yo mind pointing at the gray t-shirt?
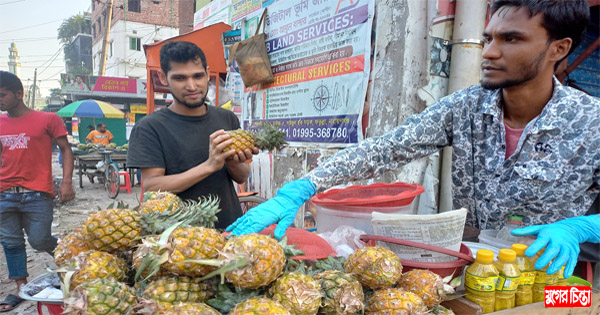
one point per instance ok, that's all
(177, 143)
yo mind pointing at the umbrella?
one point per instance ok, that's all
(90, 108)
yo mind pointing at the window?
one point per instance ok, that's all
(110, 49)
(135, 44)
(134, 6)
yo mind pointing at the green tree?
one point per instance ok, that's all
(73, 26)
(56, 92)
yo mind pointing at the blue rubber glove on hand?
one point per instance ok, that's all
(281, 209)
(562, 240)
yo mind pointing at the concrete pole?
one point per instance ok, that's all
(34, 89)
(465, 68)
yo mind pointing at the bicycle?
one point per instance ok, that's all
(111, 173)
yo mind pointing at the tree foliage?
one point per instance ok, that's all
(72, 26)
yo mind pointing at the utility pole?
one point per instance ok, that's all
(34, 88)
(105, 45)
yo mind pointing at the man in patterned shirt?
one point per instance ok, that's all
(522, 143)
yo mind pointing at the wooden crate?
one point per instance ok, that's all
(462, 306)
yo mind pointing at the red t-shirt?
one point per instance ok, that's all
(27, 150)
(512, 140)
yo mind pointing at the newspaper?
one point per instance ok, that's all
(442, 230)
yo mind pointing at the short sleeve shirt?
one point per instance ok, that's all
(553, 174)
(98, 137)
(177, 143)
(27, 150)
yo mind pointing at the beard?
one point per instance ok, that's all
(526, 73)
(190, 105)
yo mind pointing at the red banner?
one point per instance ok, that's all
(567, 296)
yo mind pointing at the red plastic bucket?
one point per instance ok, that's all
(465, 256)
(379, 195)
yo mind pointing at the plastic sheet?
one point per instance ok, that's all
(344, 240)
(34, 287)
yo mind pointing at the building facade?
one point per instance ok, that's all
(134, 23)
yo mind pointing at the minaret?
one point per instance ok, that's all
(14, 65)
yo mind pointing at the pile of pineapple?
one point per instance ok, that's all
(165, 257)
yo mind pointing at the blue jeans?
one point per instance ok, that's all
(29, 211)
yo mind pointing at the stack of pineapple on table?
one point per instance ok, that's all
(165, 257)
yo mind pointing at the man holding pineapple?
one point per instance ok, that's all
(182, 148)
(522, 143)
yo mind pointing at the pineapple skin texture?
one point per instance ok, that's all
(395, 301)
(193, 243)
(113, 230)
(298, 292)
(159, 202)
(170, 290)
(242, 140)
(190, 308)
(375, 267)
(342, 293)
(266, 260)
(94, 264)
(101, 296)
(423, 283)
(259, 306)
(71, 245)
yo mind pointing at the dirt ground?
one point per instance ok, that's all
(66, 217)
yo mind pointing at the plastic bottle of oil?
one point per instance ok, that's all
(508, 279)
(542, 279)
(561, 276)
(524, 294)
(480, 280)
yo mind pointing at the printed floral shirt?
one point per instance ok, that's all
(553, 174)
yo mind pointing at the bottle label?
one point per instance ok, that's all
(507, 284)
(527, 278)
(481, 284)
(540, 277)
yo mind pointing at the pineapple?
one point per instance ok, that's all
(178, 253)
(342, 293)
(100, 296)
(262, 306)
(375, 267)
(113, 230)
(298, 292)
(395, 301)
(440, 310)
(160, 202)
(90, 265)
(268, 137)
(427, 285)
(170, 290)
(161, 210)
(149, 249)
(258, 258)
(70, 245)
(190, 308)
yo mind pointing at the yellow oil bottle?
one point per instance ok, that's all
(508, 279)
(542, 279)
(480, 280)
(561, 277)
(524, 294)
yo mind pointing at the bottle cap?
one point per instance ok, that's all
(485, 256)
(507, 255)
(519, 249)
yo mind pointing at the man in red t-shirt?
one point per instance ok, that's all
(26, 187)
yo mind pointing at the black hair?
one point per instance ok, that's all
(10, 82)
(560, 18)
(101, 124)
(182, 52)
(90, 127)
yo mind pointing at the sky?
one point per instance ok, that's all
(33, 26)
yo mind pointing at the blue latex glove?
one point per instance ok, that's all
(281, 209)
(562, 239)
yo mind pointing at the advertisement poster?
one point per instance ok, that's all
(104, 86)
(319, 53)
(212, 13)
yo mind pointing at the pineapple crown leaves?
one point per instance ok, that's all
(329, 263)
(228, 297)
(119, 205)
(448, 286)
(268, 137)
(151, 261)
